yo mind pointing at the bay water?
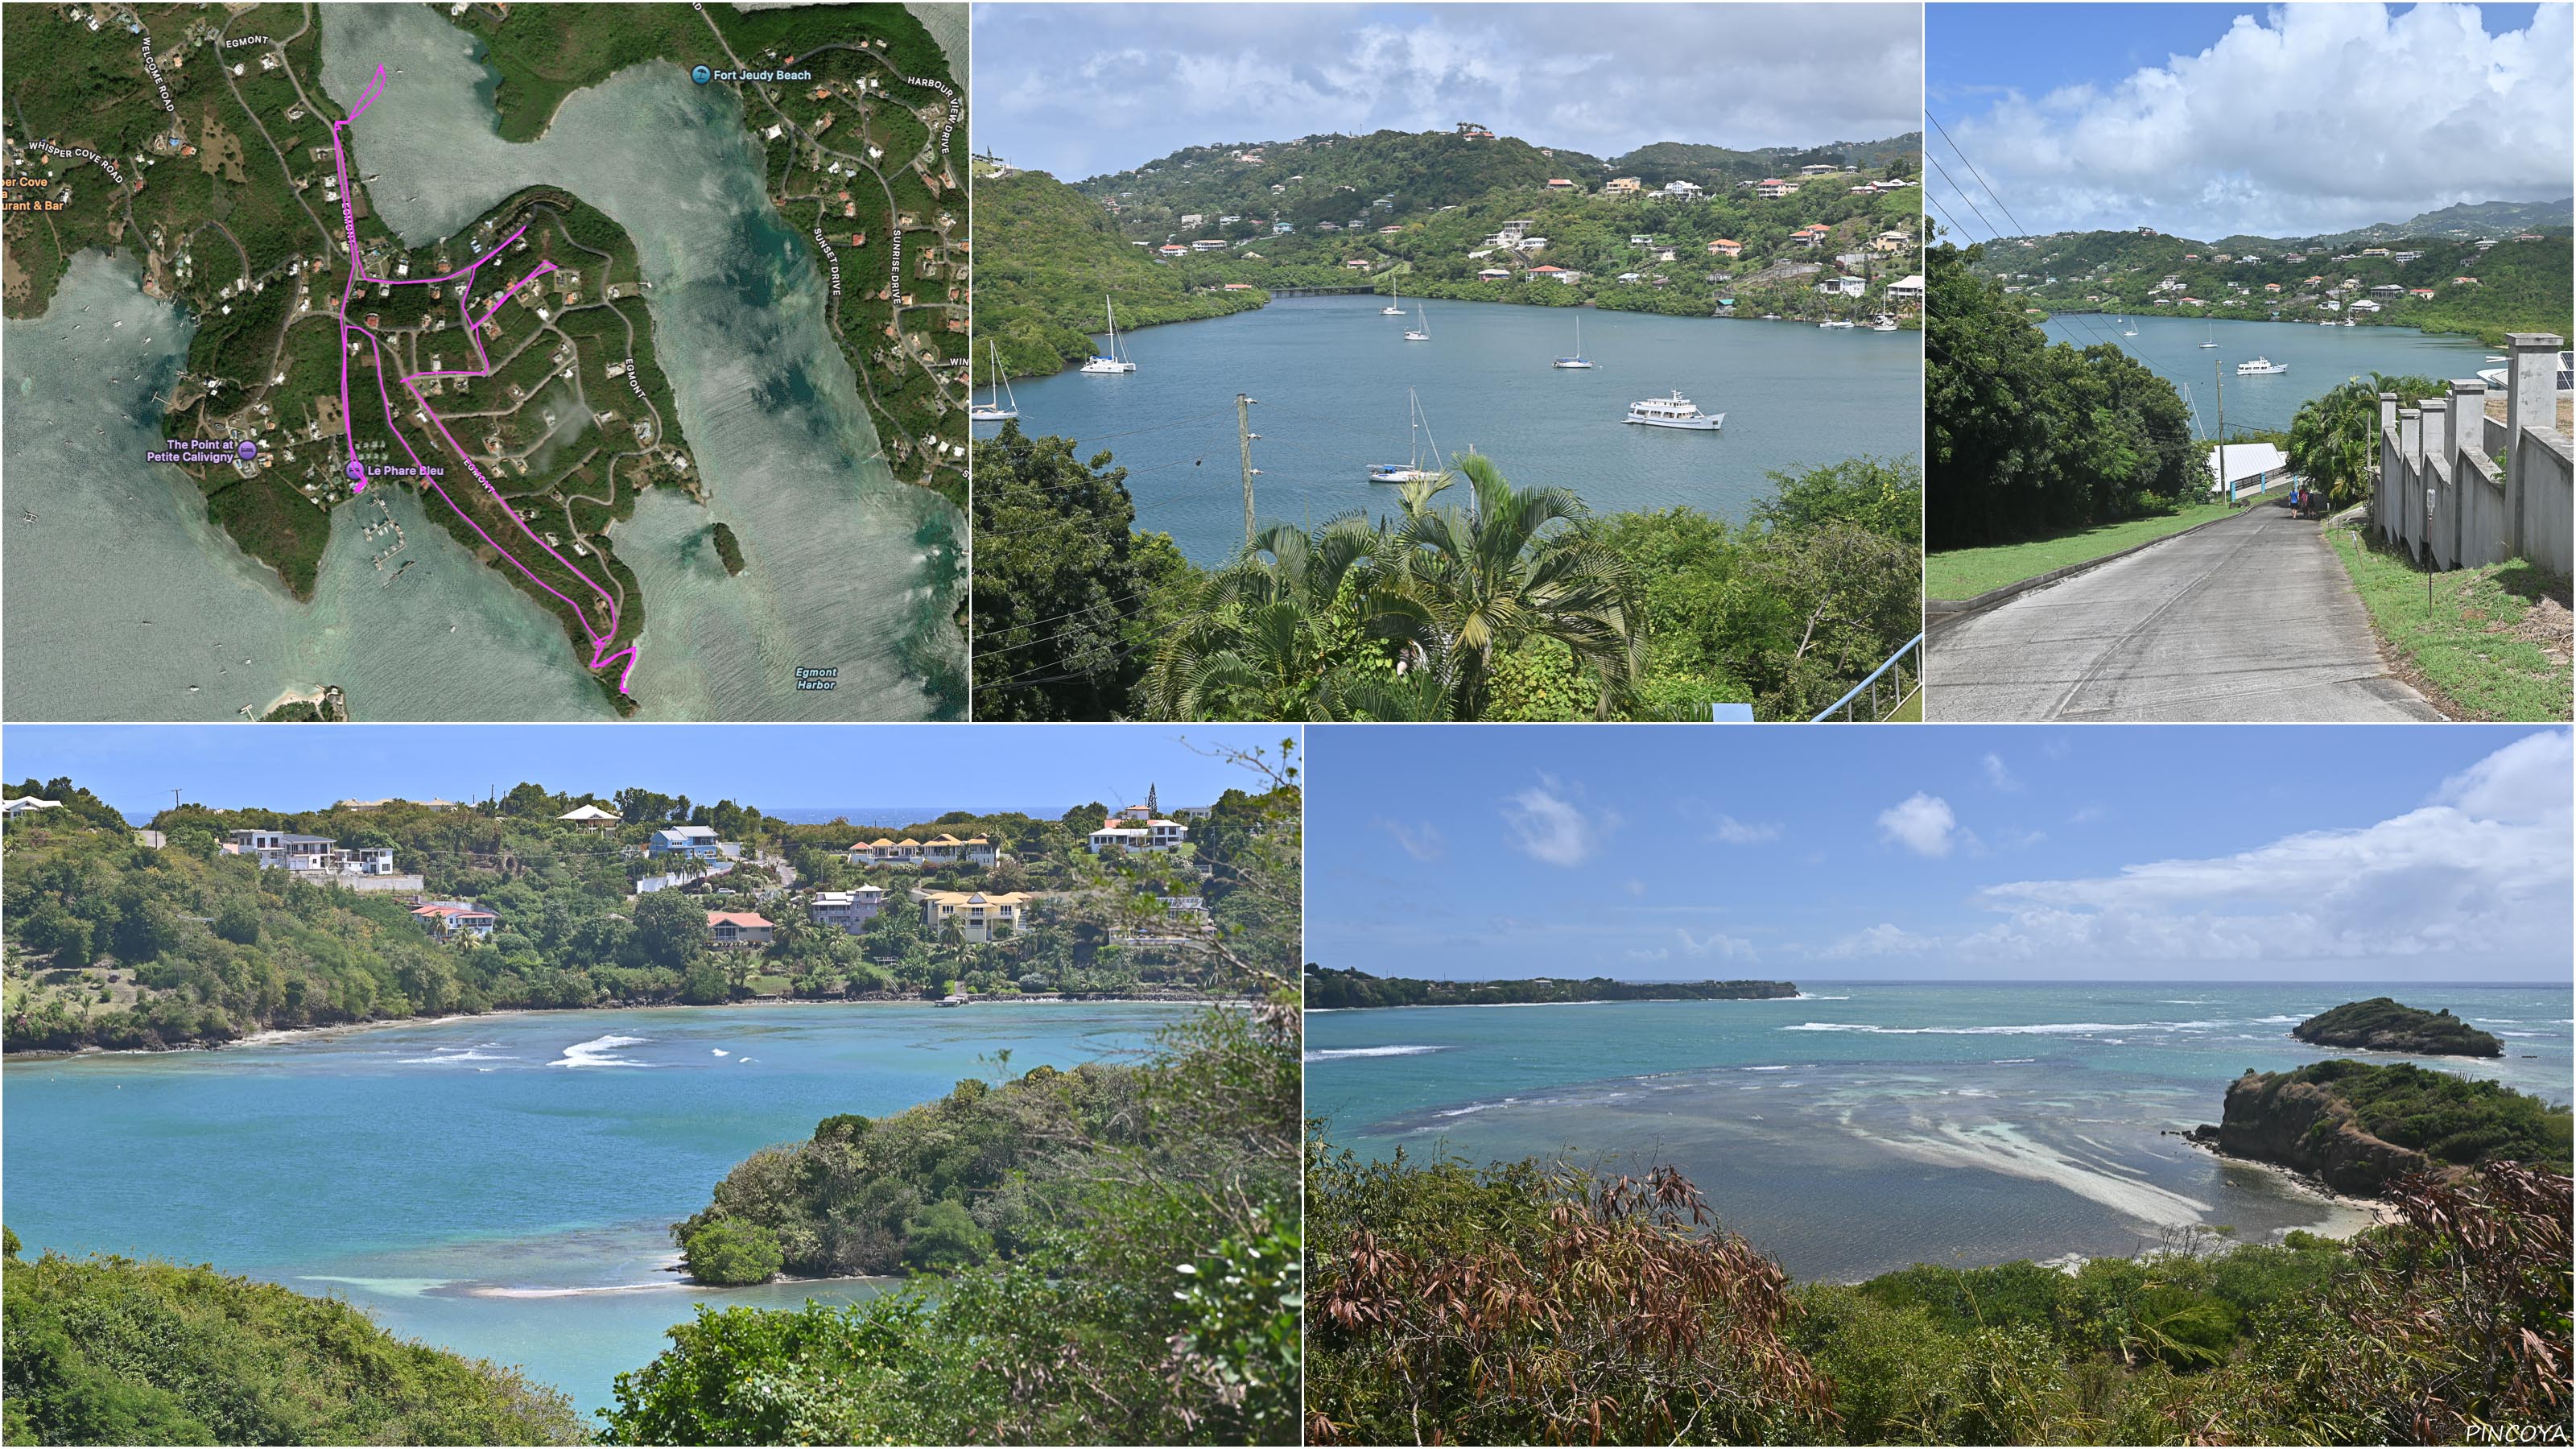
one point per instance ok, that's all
(2321, 359)
(1330, 375)
(500, 1185)
(1864, 1127)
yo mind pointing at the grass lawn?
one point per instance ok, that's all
(1964, 573)
(2475, 645)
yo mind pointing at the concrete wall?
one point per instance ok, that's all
(2457, 489)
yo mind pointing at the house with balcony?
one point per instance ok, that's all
(697, 842)
(448, 921)
(285, 850)
(1726, 247)
(590, 817)
(1772, 188)
(1909, 289)
(851, 910)
(1622, 186)
(976, 916)
(739, 930)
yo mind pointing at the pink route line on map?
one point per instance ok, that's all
(601, 656)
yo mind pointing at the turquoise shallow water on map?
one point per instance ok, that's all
(1330, 374)
(497, 1185)
(1867, 1126)
(2321, 359)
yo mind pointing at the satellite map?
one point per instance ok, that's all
(484, 362)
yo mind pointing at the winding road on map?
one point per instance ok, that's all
(601, 656)
(2249, 619)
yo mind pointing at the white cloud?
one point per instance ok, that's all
(1085, 89)
(1547, 825)
(2085, 815)
(1715, 943)
(1921, 823)
(2478, 879)
(2304, 120)
(1999, 774)
(1731, 831)
(1422, 842)
(1883, 939)
(1659, 953)
(1637, 889)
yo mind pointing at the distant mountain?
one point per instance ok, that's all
(2467, 221)
(1710, 166)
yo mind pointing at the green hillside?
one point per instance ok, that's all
(2517, 283)
(1330, 178)
(1046, 257)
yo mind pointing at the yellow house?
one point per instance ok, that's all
(975, 914)
(1623, 186)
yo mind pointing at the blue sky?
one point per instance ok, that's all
(1081, 90)
(2096, 852)
(2208, 120)
(287, 767)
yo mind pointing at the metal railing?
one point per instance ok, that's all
(1888, 686)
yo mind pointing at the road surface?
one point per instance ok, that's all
(2250, 620)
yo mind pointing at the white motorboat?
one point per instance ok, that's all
(1003, 407)
(1421, 329)
(1578, 359)
(1411, 470)
(2260, 367)
(1674, 411)
(1111, 361)
(1837, 324)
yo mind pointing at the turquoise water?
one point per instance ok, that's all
(498, 1185)
(2321, 359)
(1867, 1126)
(1330, 375)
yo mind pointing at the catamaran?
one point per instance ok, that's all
(1578, 359)
(2260, 367)
(1003, 407)
(1110, 361)
(1411, 470)
(1674, 411)
(1421, 329)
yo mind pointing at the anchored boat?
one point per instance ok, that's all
(1411, 470)
(1111, 361)
(998, 410)
(1674, 411)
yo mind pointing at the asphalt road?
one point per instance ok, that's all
(2249, 620)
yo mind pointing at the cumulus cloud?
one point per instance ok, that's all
(1084, 89)
(2478, 877)
(1547, 825)
(1715, 943)
(1883, 939)
(1921, 823)
(2306, 119)
(1422, 842)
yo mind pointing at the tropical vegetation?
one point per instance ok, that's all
(1328, 988)
(2384, 1024)
(1474, 599)
(113, 1350)
(1525, 1303)
(2028, 439)
(2334, 439)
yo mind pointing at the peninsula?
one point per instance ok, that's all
(1331, 990)
(2359, 1126)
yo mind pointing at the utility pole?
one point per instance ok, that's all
(1244, 435)
(174, 799)
(2218, 379)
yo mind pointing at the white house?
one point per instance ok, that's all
(850, 910)
(591, 816)
(1135, 831)
(1909, 289)
(27, 805)
(1843, 286)
(451, 920)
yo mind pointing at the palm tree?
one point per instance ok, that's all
(1257, 645)
(1469, 585)
(2334, 441)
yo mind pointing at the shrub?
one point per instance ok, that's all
(728, 1253)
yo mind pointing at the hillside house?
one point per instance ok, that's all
(696, 842)
(976, 916)
(1623, 186)
(1772, 188)
(1726, 247)
(739, 930)
(851, 910)
(456, 921)
(590, 817)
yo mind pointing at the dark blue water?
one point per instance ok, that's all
(1871, 1125)
(2321, 359)
(1330, 375)
(497, 1185)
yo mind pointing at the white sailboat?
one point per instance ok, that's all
(1578, 359)
(2213, 335)
(1886, 323)
(1394, 303)
(1003, 407)
(1421, 329)
(1111, 361)
(2131, 328)
(1411, 470)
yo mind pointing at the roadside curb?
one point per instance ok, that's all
(1941, 614)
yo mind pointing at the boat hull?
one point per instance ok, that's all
(1705, 424)
(1099, 367)
(992, 415)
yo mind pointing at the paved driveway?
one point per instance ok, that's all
(2252, 619)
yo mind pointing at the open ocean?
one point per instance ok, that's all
(1863, 1127)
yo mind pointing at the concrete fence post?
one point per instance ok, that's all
(2531, 401)
(2435, 451)
(2468, 435)
(2410, 479)
(2383, 504)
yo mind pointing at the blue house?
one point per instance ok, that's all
(698, 842)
